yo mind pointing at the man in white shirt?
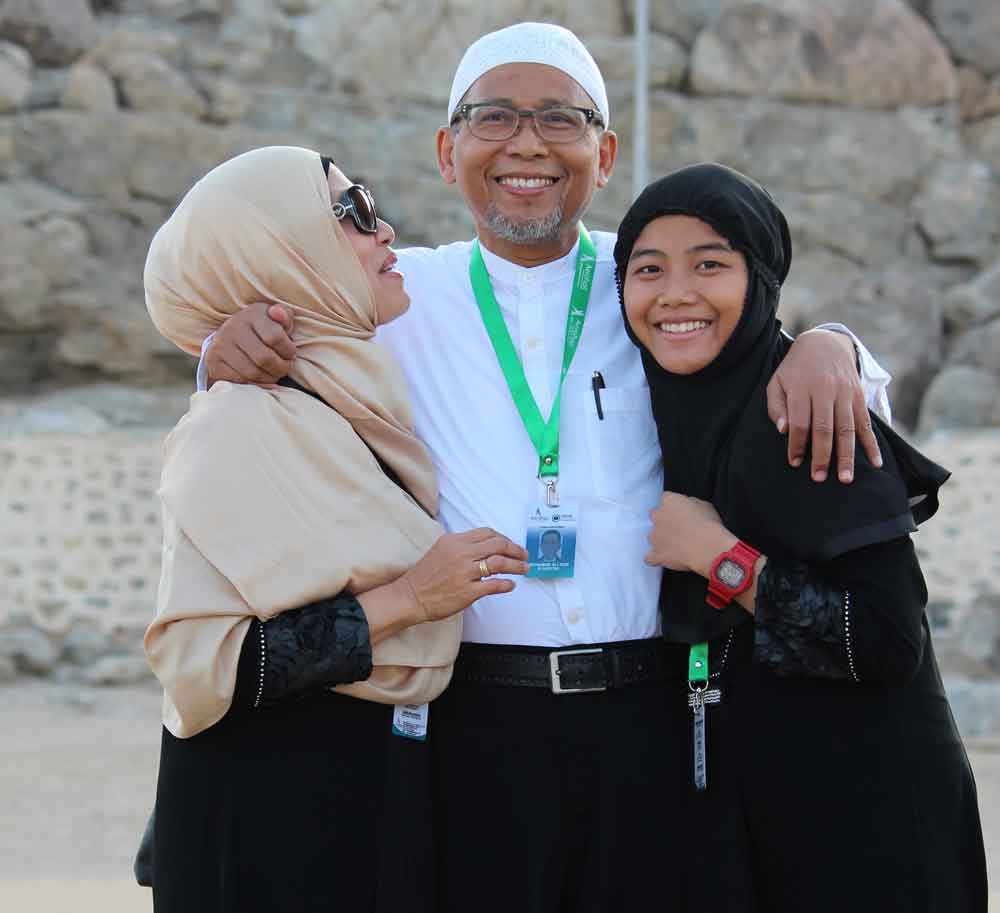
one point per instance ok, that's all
(555, 766)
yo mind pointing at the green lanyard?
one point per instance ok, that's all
(698, 663)
(544, 435)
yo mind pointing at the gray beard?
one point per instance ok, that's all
(527, 231)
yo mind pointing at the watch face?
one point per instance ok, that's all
(730, 573)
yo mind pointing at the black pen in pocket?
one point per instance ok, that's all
(597, 385)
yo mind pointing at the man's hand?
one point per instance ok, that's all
(817, 386)
(254, 346)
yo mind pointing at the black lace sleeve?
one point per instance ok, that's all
(856, 618)
(322, 644)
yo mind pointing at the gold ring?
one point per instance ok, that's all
(484, 569)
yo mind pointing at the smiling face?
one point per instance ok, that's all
(684, 292)
(377, 258)
(526, 196)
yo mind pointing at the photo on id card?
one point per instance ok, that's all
(551, 540)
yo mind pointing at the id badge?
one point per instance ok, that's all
(551, 540)
(410, 721)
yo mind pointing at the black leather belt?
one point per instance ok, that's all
(573, 670)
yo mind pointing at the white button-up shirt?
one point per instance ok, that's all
(487, 466)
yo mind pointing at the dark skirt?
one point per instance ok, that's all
(312, 805)
(827, 796)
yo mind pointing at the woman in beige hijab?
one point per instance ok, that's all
(309, 603)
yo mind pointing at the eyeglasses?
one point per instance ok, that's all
(496, 123)
(357, 202)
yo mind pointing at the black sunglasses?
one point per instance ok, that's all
(357, 202)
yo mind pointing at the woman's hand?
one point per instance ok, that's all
(687, 534)
(450, 577)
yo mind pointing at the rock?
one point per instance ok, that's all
(24, 286)
(227, 102)
(156, 42)
(971, 28)
(979, 347)
(417, 61)
(84, 644)
(977, 97)
(983, 138)
(681, 19)
(958, 211)
(8, 669)
(588, 20)
(975, 705)
(181, 10)
(173, 152)
(25, 358)
(866, 232)
(869, 53)
(118, 670)
(28, 201)
(89, 88)
(960, 397)
(818, 280)
(58, 147)
(148, 83)
(668, 59)
(973, 302)
(46, 89)
(108, 333)
(56, 32)
(15, 76)
(30, 650)
(793, 146)
(980, 638)
(899, 319)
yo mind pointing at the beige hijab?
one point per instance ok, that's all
(271, 499)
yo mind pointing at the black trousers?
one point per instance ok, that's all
(549, 803)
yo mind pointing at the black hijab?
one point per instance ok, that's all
(717, 439)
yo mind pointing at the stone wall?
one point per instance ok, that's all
(876, 123)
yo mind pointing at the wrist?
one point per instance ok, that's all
(721, 540)
(390, 608)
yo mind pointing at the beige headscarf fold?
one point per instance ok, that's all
(272, 500)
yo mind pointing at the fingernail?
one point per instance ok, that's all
(878, 461)
(819, 475)
(845, 475)
(782, 424)
(796, 461)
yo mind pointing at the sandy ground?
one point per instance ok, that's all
(77, 775)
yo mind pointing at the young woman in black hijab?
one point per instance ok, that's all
(831, 776)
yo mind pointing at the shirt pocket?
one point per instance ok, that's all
(624, 450)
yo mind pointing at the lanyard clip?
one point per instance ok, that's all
(551, 495)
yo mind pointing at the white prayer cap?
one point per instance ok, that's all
(531, 42)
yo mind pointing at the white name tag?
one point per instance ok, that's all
(410, 721)
(551, 539)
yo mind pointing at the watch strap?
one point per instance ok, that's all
(719, 594)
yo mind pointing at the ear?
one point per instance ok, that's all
(607, 154)
(446, 154)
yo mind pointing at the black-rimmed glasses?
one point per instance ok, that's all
(556, 124)
(358, 203)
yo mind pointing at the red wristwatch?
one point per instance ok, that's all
(731, 574)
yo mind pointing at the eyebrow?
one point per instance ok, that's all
(697, 248)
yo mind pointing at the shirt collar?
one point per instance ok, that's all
(501, 270)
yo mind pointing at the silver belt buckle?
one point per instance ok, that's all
(557, 687)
